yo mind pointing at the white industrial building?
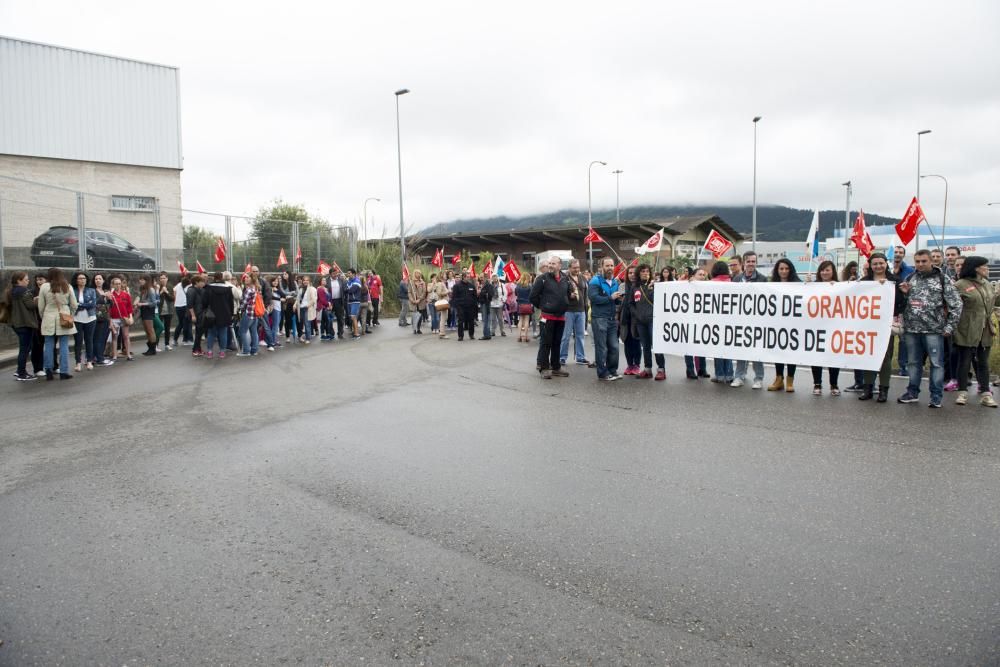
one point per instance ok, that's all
(102, 133)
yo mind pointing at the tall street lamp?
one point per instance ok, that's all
(618, 209)
(590, 210)
(753, 231)
(847, 217)
(916, 236)
(944, 217)
(399, 162)
(364, 208)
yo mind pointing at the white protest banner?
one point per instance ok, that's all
(839, 325)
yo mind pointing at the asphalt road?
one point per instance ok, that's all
(405, 500)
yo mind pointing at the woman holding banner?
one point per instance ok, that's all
(826, 273)
(723, 367)
(633, 349)
(642, 297)
(784, 272)
(695, 366)
(878, 269)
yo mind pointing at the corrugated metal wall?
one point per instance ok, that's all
(61, 103)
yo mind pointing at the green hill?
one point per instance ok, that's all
(774, 223)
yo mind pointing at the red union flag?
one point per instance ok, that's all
(248, 268)
(298, 254)
(456, 258)
(182, 268)
(282, 260)
(511, 271)
(220, 250)
(717, 244)
(438, 260)
(619, 270)
(593, 237)
(488, 269)
(653, 244)
(907, 227)
(472, 271)
(323, 268)
(201, 269)
(860, 237)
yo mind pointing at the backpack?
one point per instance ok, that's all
(258, 305)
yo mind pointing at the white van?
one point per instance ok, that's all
(563, 255)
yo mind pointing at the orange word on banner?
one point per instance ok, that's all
(859, 343)
(865, 307)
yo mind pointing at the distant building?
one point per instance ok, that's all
(104, 126)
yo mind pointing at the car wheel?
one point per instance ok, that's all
(147, 266)
(91, 262)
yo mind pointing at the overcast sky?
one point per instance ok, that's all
(510, 103)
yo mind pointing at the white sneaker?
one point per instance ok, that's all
(756, 384)
(738, 382)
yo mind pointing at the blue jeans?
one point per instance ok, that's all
(605, 345)
(24, 337)
(220, 334)
(741, 370)
(918, 346)
(305, 324)
(49, 359)
(435, 319)
(101, 339)
(576, 324)
(269, 332)
(484, 309)
(696, 365)
(903, 356)
(84, 339)
(724, 369)
(248, 334)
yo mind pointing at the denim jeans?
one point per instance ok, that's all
(633, 350)
(404, 310)
(605, 345)
(248, 334)
(484, 311)
(265, 323)
(903, 356)
(183, 325)
(917, 347)
(49, 360)
(305, 324)
(435, 319)
(220, 334)
(24, 336)
(101, 339)
(576, 324)
(84, 339)
(741, 370)
(724, 369)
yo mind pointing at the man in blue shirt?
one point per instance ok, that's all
(605, 294)
(901, 270)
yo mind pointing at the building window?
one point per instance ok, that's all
(132, 203)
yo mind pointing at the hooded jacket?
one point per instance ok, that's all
(976, 325)
(933, 305)
(601, 293)
(550, 294)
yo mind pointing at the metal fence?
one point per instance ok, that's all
(43, 225)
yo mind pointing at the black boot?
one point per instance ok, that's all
(150, 350)
(883, 394)
(866, 393)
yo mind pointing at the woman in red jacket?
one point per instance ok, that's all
(120, 311)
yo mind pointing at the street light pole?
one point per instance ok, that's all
(916, 236)
(753, 231)
(590, 211)
(944, 217)
(364, 208)
(399, 162)
(618, 207)
(847, 217)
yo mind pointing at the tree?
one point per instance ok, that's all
(271, 230)
(198, 243)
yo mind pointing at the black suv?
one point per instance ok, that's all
(59, 246)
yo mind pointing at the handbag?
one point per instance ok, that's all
(208, 317)
(441, 305)
(65, 319)
(525, 309)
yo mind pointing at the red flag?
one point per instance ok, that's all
(282, 260)
(336, 266)
(220, 250)
(488, 269)
(406, 272)
(472, 270)
(323, 268)
(201, 269)
(907, 227)
(619, 271)
(717, 244)
(298, 254)
(248, 269)
(511, 271)
(182, 268)
(457, 258)
(860, 237)
(438, 260)
(593, 237)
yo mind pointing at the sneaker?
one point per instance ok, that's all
(222, 355)
(208, 355)
(606, 378)
(736, 383)
(661, 375)
(583, 362)
(645, 374)
(757, 384)
(854, 388)
(614, 376)
(242, 354)
(934, 404)
(169, 348)
(270, 348)
(962, 398)
(196, 354)
(24, 377)
(188, 343)
(900, 373)
(986, 400)
(631, 370)
(562, 362)
(951, 385)
(907, 398)
(560, 374)
(107, 362)
(546, 374)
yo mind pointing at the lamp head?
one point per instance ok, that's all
(402, 91)
(923, 132)
(756, 118)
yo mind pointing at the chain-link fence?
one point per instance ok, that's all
(43, 225)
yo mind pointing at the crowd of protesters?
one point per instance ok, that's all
(944, 318)
(211, 313)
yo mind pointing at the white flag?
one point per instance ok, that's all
(812, 241)
(653, 244)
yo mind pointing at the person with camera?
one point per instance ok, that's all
(605, 293)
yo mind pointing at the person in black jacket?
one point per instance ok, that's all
(551, 294)
(466, 301)
(218, 315)
(487, 292)
(196, 306)
(336, 287)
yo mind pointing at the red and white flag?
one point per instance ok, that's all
(717, 244)
(488, 269)
(336, 266)
(619, 271)
(860, 237)
(201, 269)
(182, 268)
(653, 244)
(907, 227)
(282, 260)
(593, 237)
(456, 258)
(511, 271)
(248, 269)
(438, 260)
(472, 270)
(323, 268)
(406, 272)
(298, 254)
(220, 251)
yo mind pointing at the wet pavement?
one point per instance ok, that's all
(406, 500)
